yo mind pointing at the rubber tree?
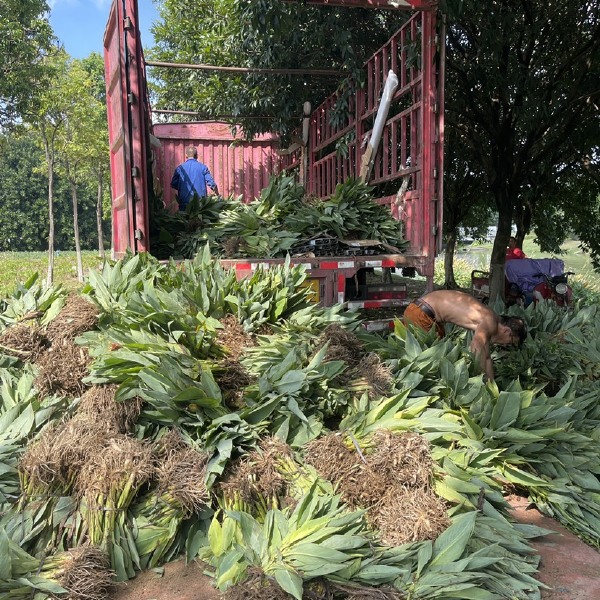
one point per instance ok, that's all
(526, 83)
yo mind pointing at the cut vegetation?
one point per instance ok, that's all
(172, 410)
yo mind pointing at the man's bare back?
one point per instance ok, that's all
(450, 306)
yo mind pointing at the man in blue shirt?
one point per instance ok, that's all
(192, 177)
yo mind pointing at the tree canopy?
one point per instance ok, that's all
(25, 38)
(523, 81)
(267, 35)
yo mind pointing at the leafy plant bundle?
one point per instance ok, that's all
(157, 344)
(282, 216)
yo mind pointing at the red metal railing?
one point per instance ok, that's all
(411, 143)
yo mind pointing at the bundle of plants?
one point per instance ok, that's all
(281, 217)
(107, 484)
(549, 450)
(349, 214)
(77, 316)
(561, 344)
(24, 340)
(263, 479)
(78, 574)
(180, 492)
(52, 462)
(294, 395)
(317, 538)
(31, 300)
(98, 404)
(48, 471)
(365, 371)
(62, 369)
(24, 415)
(231, 376)
(390, 476)
(256, 587)
(258, 228)
(255, 234)
(173, 234)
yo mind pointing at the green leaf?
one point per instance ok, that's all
(289, 582)
(451, 544)
(5, 557)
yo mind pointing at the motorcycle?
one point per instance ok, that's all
(555, 288)
(523, 285)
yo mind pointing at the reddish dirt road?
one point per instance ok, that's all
(568, 566)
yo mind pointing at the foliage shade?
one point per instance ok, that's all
(262, 35)
(25, 38)
(24, 198)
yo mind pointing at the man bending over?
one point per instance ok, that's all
(449, 306)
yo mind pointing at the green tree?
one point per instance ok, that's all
(82, 140)
(97, 137)
(47, 117)
(465, 195)
(525, 78)
(23, 194)
(25, 40)
(258, 34)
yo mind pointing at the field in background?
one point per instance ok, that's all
(17, 267)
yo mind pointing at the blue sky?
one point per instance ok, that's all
(79, 24)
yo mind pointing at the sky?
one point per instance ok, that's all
(80, 24)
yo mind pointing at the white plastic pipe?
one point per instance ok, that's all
(382, 112)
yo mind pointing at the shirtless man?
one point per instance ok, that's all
(448, 306)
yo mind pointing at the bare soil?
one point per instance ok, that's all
(176, 581)
(568, 566)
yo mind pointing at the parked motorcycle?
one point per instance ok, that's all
(555, 288)
(523, 285)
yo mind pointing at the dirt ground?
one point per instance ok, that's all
(177, 581)
(568, 566)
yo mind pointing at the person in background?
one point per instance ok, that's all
(513, 251)
(450, 306)
(192, 177)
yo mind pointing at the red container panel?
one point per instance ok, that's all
(238, 167)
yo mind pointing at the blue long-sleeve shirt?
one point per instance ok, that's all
(191, 177)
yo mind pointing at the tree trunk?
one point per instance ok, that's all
(449, 279)
(50, 162)
(99, 215)
(499, 254)
(76, 231)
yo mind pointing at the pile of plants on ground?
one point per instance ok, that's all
(282, 221)
(170, 410)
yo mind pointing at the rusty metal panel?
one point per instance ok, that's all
(122, 227)
(137, 98)
(239, 167)
(127, 128)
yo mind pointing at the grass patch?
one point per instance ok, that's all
(17, 267)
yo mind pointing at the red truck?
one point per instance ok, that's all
(143, 156)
